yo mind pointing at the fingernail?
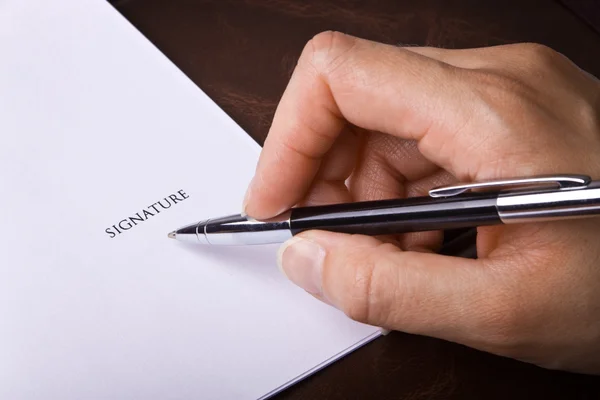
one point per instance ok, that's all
(301, 261)
(247, 198)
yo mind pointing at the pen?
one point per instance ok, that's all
(509, 201)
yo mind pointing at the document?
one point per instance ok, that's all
(106, 147)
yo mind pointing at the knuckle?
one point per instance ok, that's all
(356, 302)
(539, 53)
(367, 297)
(327, 50)
(538, 61)
(324, 41)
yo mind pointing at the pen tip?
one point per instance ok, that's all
(172, 235)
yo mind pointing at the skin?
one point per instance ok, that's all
(361, 120)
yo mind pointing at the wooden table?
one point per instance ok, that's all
(241, 53)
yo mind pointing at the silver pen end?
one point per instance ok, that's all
(172, 235)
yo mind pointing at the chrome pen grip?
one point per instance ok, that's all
(549, 205)
(242, 230)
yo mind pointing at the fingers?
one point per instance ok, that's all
(305, 126)
(374, 86)
(392, 168)
(386, 166)
(375, 283)
(329, 185)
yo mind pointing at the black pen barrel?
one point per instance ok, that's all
(399, 215)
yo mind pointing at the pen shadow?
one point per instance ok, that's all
(259, 259)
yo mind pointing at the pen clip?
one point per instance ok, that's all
(566, 182)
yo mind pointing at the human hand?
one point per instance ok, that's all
(362, 121)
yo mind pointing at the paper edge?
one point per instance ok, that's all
(182, 75)
(324, 364)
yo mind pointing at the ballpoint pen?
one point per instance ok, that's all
(509, 201)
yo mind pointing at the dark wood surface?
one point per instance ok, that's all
(587, 10)
(241, 53)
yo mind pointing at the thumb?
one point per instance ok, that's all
(378, 284)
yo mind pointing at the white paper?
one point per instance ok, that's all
(95, 126)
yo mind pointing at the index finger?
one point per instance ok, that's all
(341, 79)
